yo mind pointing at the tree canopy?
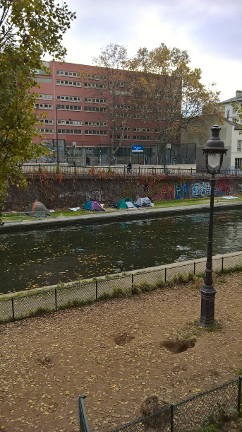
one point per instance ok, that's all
(29, 29)
(163, 90)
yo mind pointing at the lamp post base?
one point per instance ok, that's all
(207, 305)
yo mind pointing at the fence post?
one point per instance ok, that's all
(13, 309)
(165, 274)
(194, 268)
(132, 280)
(96, 291)
(239, 394)
(222, 265)
(56, 305)
(172, 415)
(82, 415)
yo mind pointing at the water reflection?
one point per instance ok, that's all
(48, 257)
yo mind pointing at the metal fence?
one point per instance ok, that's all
(187, 416)
(140, 170)
(191, 414)
(42, 300)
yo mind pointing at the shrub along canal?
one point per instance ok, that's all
(46, 257)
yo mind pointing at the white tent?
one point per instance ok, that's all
(144, 202)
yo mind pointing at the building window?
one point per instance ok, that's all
(95, 100)
(46, 121)
(70, 131)
(70, 107)
(95, 109)
(67, 73)
(43, 106)
(70, 122)
(239, 145)
(95, 123)
(118, 137)
(142, 130)
(46, 130)
(142, 137)
(93, 85)
(238, 163)
(45, 96)
(95, 132)
(69, 98)
(93, 76)
(68, 83)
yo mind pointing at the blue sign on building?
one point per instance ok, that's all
(137, 148)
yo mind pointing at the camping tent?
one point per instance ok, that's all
(144, 202)
(92, 206)
(125, 203)
(39, 209)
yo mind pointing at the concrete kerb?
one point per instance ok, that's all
(119, 215)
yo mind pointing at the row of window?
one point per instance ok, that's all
(73, 131)
(94, 85)
(70, 122)
(99, 123)
(70, 107)
(75, 74)
(67, 73)
(93, 132)
(95, 109)
(69, 98)
(95, 100)
(68, 83)
(78, 99)
(60, 107)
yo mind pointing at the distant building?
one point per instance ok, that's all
(231, 130)
(231, 134)
(71, 107)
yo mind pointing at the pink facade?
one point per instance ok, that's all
(71, 108)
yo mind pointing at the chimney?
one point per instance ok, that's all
(238, 93)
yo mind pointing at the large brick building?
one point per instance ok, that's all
(72, 107)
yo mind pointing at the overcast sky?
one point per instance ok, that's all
(209, 30)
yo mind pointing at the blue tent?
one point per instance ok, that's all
(92, 206)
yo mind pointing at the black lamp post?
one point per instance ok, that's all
(214, 152)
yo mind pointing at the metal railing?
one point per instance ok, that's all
(193, 413)
(42, 300)
(189, 415)
(117, 170)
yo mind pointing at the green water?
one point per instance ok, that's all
(38, 258)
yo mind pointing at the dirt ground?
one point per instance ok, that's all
(112, 352)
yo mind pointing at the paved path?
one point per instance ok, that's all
(116, 215)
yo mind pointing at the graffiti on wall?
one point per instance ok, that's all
(182, 191)
(200, 189)
(223, 187)
(166, 192)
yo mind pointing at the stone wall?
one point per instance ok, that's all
(70, 191)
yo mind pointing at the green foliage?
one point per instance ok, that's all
(28, 31)
(162, 88)
(166, 75)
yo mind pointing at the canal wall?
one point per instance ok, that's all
(34, 302)
(64, 191)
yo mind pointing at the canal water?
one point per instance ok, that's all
(38, 258)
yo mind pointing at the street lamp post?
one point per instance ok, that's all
(168, 146)
(214, 152)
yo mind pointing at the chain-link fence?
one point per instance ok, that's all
(191, 414)
(38, 301)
